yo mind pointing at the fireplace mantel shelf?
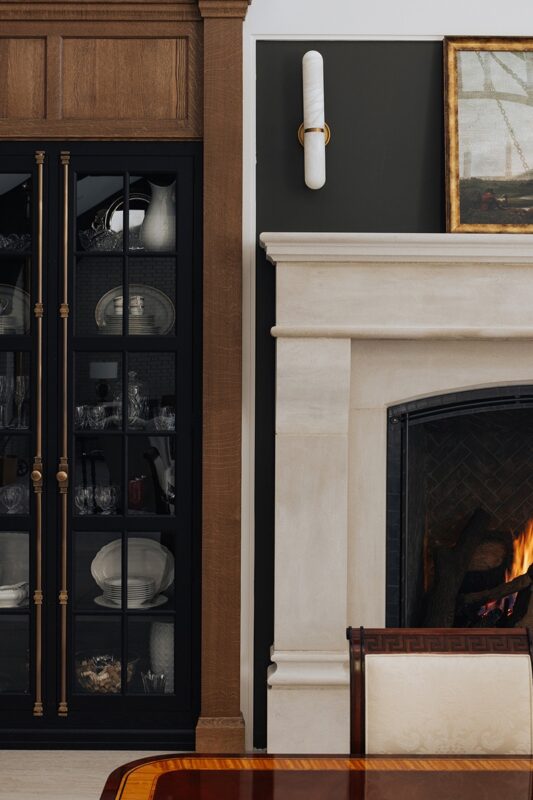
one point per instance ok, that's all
(489, 248)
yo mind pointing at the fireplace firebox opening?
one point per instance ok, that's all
(460, 510)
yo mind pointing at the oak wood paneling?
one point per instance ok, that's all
(220, 727)
(23, 84)
(120, 78)
(116, 80)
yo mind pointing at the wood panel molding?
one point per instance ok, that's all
(92, 10)
(101, 80)
(224, 8)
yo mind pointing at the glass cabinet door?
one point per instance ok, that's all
(130, 412)
(18, 251)
(99, 482)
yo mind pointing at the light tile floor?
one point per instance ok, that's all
(59, 774)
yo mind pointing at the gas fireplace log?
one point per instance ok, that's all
(451, 565)
(498, 592)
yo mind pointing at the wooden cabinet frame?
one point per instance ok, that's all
(41, 99)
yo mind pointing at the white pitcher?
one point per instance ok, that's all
(158, 231)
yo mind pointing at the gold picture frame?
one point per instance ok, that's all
(489, 134)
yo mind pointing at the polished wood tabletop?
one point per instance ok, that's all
(196, 777)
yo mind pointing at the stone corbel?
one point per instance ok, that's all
(300, 669)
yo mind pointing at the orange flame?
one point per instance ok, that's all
(522, 553)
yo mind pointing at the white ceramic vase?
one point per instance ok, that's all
(162, 652)
(158, 231)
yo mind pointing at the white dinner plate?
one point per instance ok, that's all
(160, 600)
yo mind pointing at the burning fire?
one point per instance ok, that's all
(522, 553)
(522, 559)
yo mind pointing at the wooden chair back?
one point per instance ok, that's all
(472, 641)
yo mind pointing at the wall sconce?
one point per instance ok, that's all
(314, 134)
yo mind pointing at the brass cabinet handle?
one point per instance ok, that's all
(37, 473)
(62, 474)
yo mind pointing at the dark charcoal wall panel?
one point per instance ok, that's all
(385, 172)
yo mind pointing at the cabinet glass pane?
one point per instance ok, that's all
(152, 206)
(98, 470)
(97, 659)
(14, 295)
(97, 571)
(98, 284)
(151, 645)
(152, 289)
(15, 212)
(99, 209)
(14, 569)
(14, 390)
(150, 561)
(151, 474)
(98, 391)
(151, 391)
(14, 654)
(14, 475)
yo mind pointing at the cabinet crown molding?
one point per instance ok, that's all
(224, 8)
(96, 10)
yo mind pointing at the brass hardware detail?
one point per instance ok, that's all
(62, 477)
(37, 473)
(325, 130)
(62, 473)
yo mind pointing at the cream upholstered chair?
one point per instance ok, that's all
(441, 691)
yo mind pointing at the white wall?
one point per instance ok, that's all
(381, 18)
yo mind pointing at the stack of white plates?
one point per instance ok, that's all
(140, 590)
(150, 564)
(143, 325)
(10, 324)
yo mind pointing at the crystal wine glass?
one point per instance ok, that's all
(97, 417)
(22, 383)
(12, 497)
(106, 499)
(82, 500)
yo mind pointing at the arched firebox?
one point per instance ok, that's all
(460, 509)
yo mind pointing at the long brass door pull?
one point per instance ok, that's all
(62, 473)
(37, 473)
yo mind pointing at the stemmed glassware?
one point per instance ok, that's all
(6, 393)
(14, 498)
(83, 500)
(106, 499)
(97, 417)
(22, 384)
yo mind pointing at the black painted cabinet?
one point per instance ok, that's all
(100, 306)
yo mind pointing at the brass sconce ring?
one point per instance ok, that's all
(325, 130)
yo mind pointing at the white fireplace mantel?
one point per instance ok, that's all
(363, 322)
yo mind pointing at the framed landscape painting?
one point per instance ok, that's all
(489, 135)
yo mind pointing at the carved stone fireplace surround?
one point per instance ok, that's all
(363, 322)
